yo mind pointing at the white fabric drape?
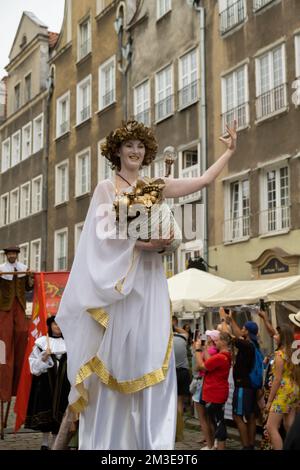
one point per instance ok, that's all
(131, 398)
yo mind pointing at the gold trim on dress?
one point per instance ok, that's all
(100, 315)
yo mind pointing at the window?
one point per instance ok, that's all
(235, 98)
(163, 6)
(168, 262)
(271, 83)
(38, 133)
(62, 182)
(237, 211)
(25, 200)
(61, 250)
(14, 205)
(84, 99)
(63, 114)
(232, 13)
(4, 209)
(78, 231)
(5, 160)
(189, 167)
(188, 79)
(36, 192)
(190, 250)
(84, 39)
(24, 253)
(275, 213)
(82, 184)
(297, 53)
(17, 96)
(26, 141)
(2, 257)
(145, 171)
(35, 255)
(142, 103)
(104, 168)
(16, 148)
(258, 4)
(107, 81)
(164, 103)
(28, 87)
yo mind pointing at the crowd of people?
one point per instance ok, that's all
(266, 391)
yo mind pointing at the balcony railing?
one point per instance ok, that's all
(258, 4)
(85, 113)
(275, 219)
(84, 48)
(144, 117)
(188, 94)
(240, 114)
(237, 228)
(62, 263)
(232, 16)
(272, 101)
(164, 108)
(108, 98)
(64, 127)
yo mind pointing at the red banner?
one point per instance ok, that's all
(48, 290)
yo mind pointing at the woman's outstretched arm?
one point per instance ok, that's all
(178, 187)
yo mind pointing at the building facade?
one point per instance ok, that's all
(253, 62)
(23, 146)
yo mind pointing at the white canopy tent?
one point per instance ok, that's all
(249, 292)
(190, 289)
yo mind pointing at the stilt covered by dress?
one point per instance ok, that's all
(116, 321)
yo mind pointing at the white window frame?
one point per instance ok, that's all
(12, 216)
(57, 233)
(260, 4)
(263, 223)
(33, 265)
(6, 155)
(16, 150)
(186, 84)
(26, 98)
(77, 227)
(84, 48)
(104, 169)
(24, 259)
(23, 212)
(162, 100)
(62, 127)
(38, 137)
(4, 221)
(78, 190)
(142, 104)
(239, 112)
(24, 142)
(80, 110)
(58, 182)
(166, 260)
(34, 206)
(2, 256)
(233, 13)
(191, 247)
(234, 228)
(18, 84)
(191, 171)
(163, 7)
(102, 85)
(271, 88)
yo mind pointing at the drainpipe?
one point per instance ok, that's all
(202, 120)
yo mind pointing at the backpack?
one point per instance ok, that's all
(256, 374)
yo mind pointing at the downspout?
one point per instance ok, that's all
(203, 121)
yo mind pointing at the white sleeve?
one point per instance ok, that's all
(37, 365)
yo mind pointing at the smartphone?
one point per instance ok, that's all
(227, 311)
(262, 305)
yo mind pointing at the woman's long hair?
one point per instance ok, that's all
(286, 339)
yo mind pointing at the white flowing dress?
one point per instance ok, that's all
(116, 320)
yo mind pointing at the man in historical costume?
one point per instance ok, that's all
(13, 322)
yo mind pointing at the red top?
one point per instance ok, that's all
(215, 385)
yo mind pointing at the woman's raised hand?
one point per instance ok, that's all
(231, 139)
